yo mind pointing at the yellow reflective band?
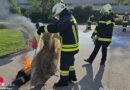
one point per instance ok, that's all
(114, 23)
(107, 22)
(73, 20)
(125, 21)
(45, 28)
(124, 27)
(89, 21)
(71, 67)
(96, 24)
(69, 50)
(74, 32)
(61, 40)
(68, 45)
(95, 31)
(105, 39)
(64, 72)
(102, 22)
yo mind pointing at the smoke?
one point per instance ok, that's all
(4, 9)
(13, 20)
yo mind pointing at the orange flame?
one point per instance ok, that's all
(27, 63)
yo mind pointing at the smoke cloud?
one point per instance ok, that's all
(11, 20)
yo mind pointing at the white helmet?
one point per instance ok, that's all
(106, 8)
(58, 8)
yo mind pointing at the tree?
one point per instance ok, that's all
(79, 13)
(123, 2)
(14, 7)
(41, 10)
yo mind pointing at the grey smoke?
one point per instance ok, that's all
(4, 9)
(13, 20)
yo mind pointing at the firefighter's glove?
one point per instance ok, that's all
(38, 25)
(92, 36)
(40, 30)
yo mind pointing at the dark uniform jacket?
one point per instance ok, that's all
(104, 28)
(68, 30)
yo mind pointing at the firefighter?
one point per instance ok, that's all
(67, 28)
(90, 22)
(103, 34)
(125, 21)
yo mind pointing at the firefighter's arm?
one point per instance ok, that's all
(52, 28)
(95, 31)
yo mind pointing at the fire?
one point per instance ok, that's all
(27, 63)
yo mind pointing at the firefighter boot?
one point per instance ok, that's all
(124, 30)
(62, 82)
(87, 60)
(72, 76)
(89, 27)
(102, 62)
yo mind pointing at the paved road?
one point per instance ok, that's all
(114, 76)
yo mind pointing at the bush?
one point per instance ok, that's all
(96, 13)
(78, 12)
(2, 26)
(18, 10)
(14, 8)
(83, 13)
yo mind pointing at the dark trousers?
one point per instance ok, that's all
(89, 25)
(66, 61)
(104, 46)
(124, 27)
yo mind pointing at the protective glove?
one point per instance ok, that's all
(93, 35)
(40, 28)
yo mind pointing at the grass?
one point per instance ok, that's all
(10, 41)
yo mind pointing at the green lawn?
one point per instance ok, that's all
(10, 41)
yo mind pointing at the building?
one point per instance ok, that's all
(99, 3)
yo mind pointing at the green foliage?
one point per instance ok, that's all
(83, 13)
(41, 10)
(14, 8)
(10, 41)
(18, 10)
(2, 26)
(123, 2)
(78, 12)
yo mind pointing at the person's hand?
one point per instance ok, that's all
(40, 30)
(92, 37)
(37, 25)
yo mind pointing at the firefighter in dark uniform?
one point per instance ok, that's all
(68, 30)
(125, 21)
(90, 22)
(103, 33)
